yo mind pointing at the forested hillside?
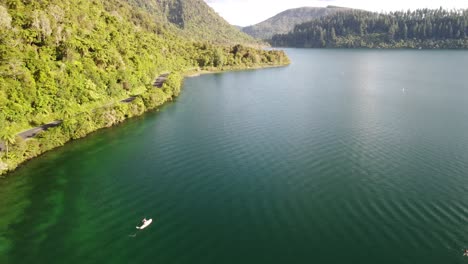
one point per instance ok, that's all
(195, 20)
(285, 21)
(75, 60)
(422, 28)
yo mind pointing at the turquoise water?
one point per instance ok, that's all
(345, 156)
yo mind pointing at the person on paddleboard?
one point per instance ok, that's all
(465, 252)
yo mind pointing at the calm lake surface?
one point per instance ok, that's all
(345, 156)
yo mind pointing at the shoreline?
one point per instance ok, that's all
(153, 104)
(192, 74)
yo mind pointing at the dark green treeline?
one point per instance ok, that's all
(423, 28)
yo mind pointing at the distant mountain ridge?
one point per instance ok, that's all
(285, 21)
(196, 20)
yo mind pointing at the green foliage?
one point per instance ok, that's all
(172, 84)
(423, 28)
(76, 60)
(8, 137)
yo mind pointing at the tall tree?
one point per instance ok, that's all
(333, 34)
(8, 137)
(405, 31)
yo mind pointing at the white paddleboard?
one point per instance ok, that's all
(147, 223)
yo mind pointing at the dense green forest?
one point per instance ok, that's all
(285, 21)
(423, 28)
(75, 60)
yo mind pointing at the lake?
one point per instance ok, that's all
(345, 156)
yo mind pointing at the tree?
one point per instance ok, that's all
(322, 38)
(5, 18)
(8, 137)
(391, 32)
(333, 34)
(405, 32)
(218, 58)
(362, 28)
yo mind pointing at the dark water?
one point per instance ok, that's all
(343, 157)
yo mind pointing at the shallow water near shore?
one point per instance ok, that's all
(345, 156)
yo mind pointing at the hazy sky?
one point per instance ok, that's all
(249, 12)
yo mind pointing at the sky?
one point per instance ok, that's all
(249, 12)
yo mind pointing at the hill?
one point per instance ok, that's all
(195, 20)
(285, 21)
(93, 63)
(422, 28)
